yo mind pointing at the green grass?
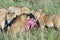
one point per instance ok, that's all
(50, 34)
(48, 7)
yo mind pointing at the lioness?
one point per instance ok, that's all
(25, 10)
(3, 14)
(15, 9)
(18, 24)
(56, 20)
(43, 19)
(10, 18)
(49, 20)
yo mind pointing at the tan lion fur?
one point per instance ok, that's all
(3, 14)
(18, 24)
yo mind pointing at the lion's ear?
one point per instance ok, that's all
(40, 11)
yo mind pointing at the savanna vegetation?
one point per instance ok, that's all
(47, 6)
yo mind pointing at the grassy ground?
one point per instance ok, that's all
(48, 7)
